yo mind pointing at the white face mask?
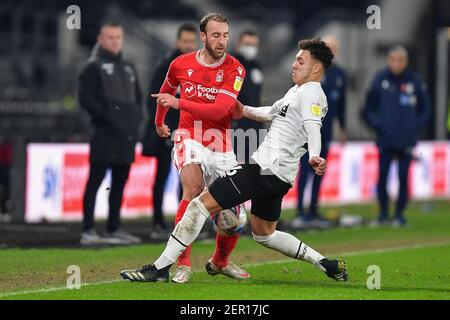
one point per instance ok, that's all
(248, 52)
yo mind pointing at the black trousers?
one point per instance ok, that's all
(164, 164)
(404, 157)
(97, 172)
(306, 171)
(5, 191)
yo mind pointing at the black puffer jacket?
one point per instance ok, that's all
(109, 91)
(152, 144)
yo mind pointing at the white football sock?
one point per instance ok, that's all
(185, 232)
(290, 246)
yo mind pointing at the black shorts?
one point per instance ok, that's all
(249, 182)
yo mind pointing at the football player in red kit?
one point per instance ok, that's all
(209, 81)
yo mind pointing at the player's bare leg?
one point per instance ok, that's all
(185, 232)
(192, 182)
(265, 233)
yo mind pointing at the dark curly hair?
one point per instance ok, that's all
(318, 49)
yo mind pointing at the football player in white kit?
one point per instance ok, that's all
(295, 129)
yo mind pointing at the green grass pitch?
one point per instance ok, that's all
(413, 262)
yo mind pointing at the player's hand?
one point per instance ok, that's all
(167, 100)
(238, 112)
(318, 164)
(163, 131)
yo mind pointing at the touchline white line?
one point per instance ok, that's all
(343, 254)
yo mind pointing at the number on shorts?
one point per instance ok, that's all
(233, 171)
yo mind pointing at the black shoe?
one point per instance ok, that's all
(147, 273)
(320, 222)
(160, 232)
(335, 269)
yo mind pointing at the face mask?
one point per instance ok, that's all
(248, 52)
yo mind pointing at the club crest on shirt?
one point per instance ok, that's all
(316, 109)
(219, 76)
(237, 83)
(109, 68)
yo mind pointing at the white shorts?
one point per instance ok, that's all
(213, 164)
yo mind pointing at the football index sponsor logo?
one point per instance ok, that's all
(207, 92)
(189, 89)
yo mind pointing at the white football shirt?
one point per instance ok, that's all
(286, 141)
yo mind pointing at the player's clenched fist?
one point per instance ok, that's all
(319, 165)
(167, 100)
(163, 131)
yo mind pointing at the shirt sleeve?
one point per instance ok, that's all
(314, 139)
(313, 108)
(221, 108)
(169, 85)
(234, 81)
(171, 76)
(259, 114)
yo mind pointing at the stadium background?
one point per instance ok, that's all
(44, 133)
(40, 57)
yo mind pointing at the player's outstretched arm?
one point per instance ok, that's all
(314, 147)
(260, 114)
(221, 108)
(161, 111)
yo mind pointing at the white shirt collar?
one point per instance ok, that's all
(213, 65)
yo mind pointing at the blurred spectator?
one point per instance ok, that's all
(109, 92)
(155, 146)
(334, 85)
(5, 167)
(397, 106)
(448, 120)
(246, 52)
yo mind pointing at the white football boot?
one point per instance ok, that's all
(182, 274)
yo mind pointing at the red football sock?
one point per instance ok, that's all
(224, 246)
(185, 258)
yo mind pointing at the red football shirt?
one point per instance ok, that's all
(201, 83)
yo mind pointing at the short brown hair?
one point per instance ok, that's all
(212, 16)
(318, 49)
(189, 27)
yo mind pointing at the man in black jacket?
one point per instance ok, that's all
(153, 145)
(109, 92)
(397, 107)
(246, 52)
